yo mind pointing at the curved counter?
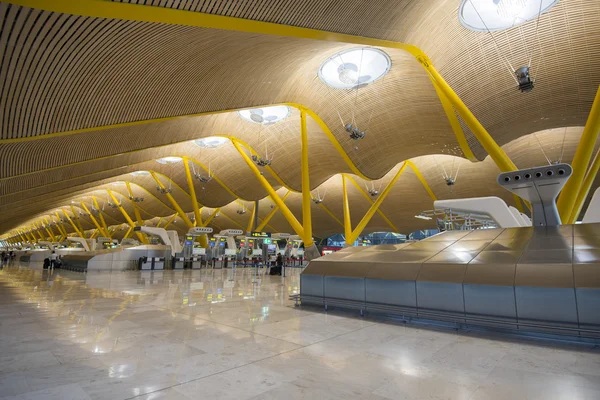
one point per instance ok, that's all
(531, 279)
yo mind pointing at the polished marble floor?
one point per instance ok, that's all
(209, 335)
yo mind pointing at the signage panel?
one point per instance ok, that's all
(260, 234)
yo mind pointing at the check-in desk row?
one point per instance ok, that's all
(532, 279)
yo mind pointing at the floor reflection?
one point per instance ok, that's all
(214, 334)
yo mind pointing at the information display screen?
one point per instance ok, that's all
(260, 234)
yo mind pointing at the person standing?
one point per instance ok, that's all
(53, 259)
(279, 262)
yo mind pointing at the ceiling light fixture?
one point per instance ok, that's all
(355, 68)
(421, 216)
(496, 15)
(266, 115)
(211, 142)
(168, 160)
(140, 173)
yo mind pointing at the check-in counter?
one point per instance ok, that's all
(531, 279)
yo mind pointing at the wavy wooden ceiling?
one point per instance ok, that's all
(61, 72)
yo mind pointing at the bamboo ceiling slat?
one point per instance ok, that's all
(61, 72)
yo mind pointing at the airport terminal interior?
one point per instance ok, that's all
(299, 199)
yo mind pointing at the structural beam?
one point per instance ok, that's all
(370, 200)
(568, 196)
(590, 177)
(128, 232)
(347, 219)
(136, 210)
(79, 233)
(421, 179)
(102, 221)
(211, 217)
(176, 206)
(274, 196)
(170, 220)
(251, 221)
(375, 206)
(77, 220)
(94, 221)
(127, 218)
(190, 182)
(270, 215)
(306, 196)
(61, 228)
(165, 15)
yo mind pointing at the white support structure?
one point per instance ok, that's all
(169, 238)
(44, 243)
(593, 211)
(493, 206)
(81, 241)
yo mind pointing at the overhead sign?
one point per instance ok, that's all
(260, 234)
(232, 232)
(200, 230)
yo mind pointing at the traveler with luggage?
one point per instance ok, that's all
(276, 270)
(53, 259)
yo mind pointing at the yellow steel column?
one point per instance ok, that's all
(170, 220)
(102, 221)
(49, 233)
(265, 221)
(365, 220)
(568, 196)
(176, 206)
(136, 210)
(22, 237)
(347, 219)
(50, 228)
(276, 199)
(306, 196)
(585, 188)
(77, 220)
(127, 218)
(190, 182)
(37, 230)
(59, 226)
(251, 222)
(94, 220)
(370, 200)
(31, 238)
(79, 233)
(421, 179)
(128, 233)
(501, 159)
(159, 222)
(211, 217)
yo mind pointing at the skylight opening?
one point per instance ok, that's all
(211, 142)
(168, 160)
(497, 15)
(355, 68)
(265, 116)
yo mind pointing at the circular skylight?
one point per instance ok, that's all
(266, 115)
(168, 160)
(140, 173)
(495, 15)
(355, 68)
(211, 142)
